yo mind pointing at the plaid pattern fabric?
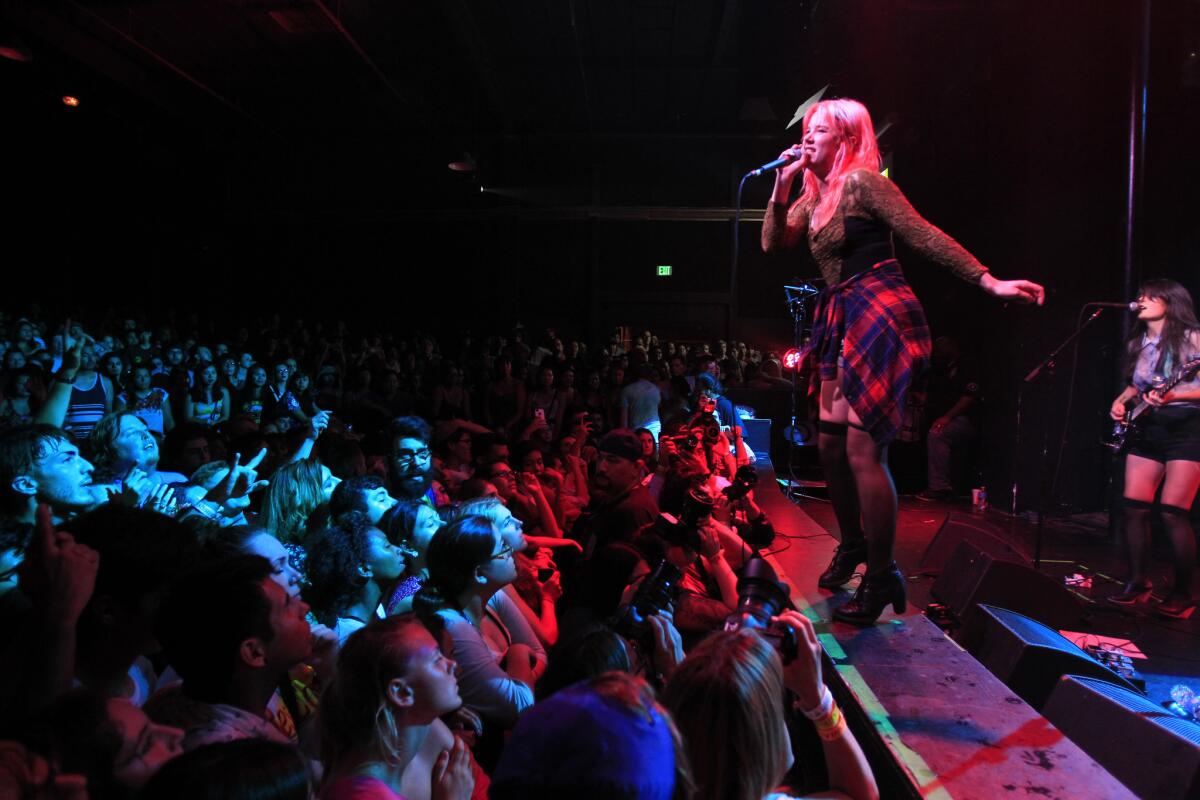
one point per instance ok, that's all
(875, 323)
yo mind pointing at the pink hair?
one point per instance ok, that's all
(851, 122)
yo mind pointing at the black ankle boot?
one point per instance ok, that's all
(874, 594)
(841, 568)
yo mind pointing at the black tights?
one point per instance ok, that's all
(1179, 530)
(861, 491)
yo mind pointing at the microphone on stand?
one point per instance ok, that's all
(1132, 306)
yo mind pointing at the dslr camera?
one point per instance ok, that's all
(656, 594)
(761, 595)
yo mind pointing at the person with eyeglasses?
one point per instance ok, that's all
(469, 564)
(410, 462)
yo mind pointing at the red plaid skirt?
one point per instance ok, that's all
(876, 325)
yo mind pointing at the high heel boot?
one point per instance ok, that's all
(841, 567)
(876, 592)
(1133, 592)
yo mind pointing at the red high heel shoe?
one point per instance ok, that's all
(1132, 593)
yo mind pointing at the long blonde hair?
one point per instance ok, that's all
(727, 699)
(851, 122)
(354, 710)
(293, 495)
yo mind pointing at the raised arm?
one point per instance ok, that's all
(871, 194)
(783, 228)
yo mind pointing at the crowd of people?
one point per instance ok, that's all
(282, 561)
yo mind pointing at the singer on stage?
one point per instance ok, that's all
(869, 338)
(1165, 449)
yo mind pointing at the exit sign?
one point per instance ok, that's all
(664, 270)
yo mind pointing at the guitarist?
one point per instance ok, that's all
(1166, 449)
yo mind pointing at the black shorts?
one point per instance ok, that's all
(1169, 433)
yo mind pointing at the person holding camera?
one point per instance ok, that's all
(725, 698)
(707, 588)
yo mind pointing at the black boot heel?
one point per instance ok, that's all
(875, 593)
(841, 568)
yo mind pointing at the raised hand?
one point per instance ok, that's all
(318, 424)
(58, 573)
(668, 644)
(233, 493)
(452, 776)
(803, 675)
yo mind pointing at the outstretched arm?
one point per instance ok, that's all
(870, 193)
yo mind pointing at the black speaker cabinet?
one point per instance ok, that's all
(1154, 753)
(1029, 657)
(957, 528)
(973, 576)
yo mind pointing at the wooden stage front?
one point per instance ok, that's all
(934, 721)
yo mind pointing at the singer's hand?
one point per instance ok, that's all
(1019, 290)
(799, 162)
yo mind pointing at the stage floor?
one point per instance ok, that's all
(940, 719)
(1080, 545)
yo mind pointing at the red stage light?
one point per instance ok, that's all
(70, 101)
(791, 359)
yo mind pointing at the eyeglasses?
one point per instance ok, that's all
(505, 552)
(409, 456)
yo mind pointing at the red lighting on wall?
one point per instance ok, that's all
(791, 359)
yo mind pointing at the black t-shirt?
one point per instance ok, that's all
(949, 383)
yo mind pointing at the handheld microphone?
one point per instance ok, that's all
(782, 161)
(1133, 306)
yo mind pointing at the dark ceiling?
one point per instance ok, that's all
(394, 90)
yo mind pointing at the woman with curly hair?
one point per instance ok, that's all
(351, 567)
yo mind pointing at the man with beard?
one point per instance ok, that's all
(620, 505)
(410, 463)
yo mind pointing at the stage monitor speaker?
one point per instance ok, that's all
(988, 536)
(1154, 753)
(1030, 657)
(973, 576)
(757, 433)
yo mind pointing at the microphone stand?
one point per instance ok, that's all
(1045, 367)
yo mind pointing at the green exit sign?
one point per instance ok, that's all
(664, 270)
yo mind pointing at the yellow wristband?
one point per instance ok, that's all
(829, 734)
(830, 720)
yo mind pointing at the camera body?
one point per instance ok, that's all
(744, 480)
(761, 596)
(655, 595)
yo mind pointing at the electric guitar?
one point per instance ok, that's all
(1126, 429)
